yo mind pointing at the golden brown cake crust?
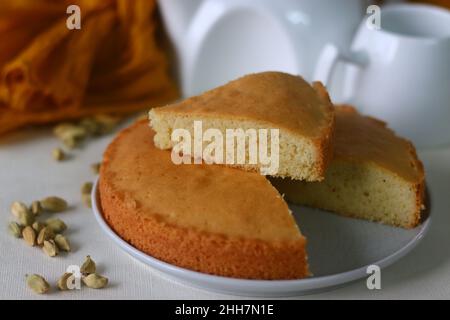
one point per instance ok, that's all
(363, 138)
(136, 198)
(276, 98)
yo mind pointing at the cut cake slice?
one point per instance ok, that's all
(303, 114)
(374, 175)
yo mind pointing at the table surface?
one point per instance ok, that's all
(27, 173)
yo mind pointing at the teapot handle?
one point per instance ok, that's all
(326, 65)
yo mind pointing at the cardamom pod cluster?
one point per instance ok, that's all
(92, 279)
(72, 135)
(48, 234)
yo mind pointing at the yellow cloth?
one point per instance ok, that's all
(442, 3)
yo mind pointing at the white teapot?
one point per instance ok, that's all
(219, 40)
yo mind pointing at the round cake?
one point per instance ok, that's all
(208, 218)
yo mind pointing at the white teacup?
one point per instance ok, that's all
(400, 72)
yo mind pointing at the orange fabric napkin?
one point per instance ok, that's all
(442, 3)
(113, 64)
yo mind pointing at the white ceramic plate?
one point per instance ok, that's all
(339, 249)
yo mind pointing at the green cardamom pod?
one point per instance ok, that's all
(88, 266)
(86, 188)
(50, 248)
(29, 235)
(18, 208)
(58, 154)
(15, 229)
(62, 242)
(54, 204)
(64, 130)
(56, 225)
(45, 234)
(25, 218)
(60, 129)
(38, 226)
(36, 208)
(95, 281)
(70, 142)
(21, 212)
(107, 123)
(87, 201)
(95, 168)
(90, 125)
(71, 135)
(63, 280)
(37, 283)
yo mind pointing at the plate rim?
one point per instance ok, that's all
(252, 287)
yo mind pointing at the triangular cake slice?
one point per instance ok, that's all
(302, 113)
(374, 175)
(209, 218)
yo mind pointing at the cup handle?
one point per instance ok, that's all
(326, 65)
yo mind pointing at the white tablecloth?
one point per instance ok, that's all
(27, 172)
